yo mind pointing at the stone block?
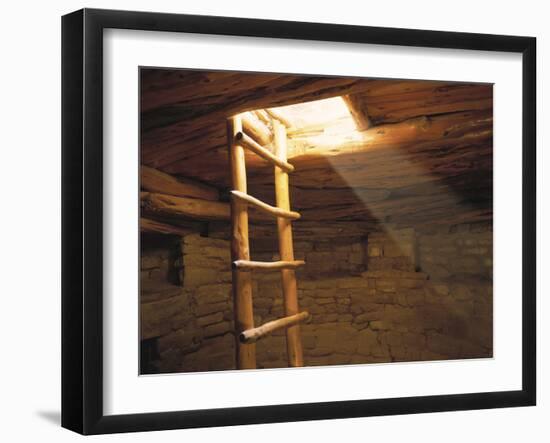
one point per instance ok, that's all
(325, 300)
(437, 272)
(212, 293)
(338, 337)
(325, 318)
(404, 316)
(150, 261)
(352, 282)
(393, 274)
(156, 317)
(476, 251)
(314, 309)
(262, 302)
(320, 352)
(198, 276)
(413, 340)
(401, 299)
(361, 319)
(393, 250)
(205, 309)
(303, 246)
(379, 325)
(382, 352)
(346, 300)
(218, 329)
(374, 251)
(392, 338)
(318, 257)
(367, 342)
(461, 292)
(186, 341)
(385, 297)
(342, 309)
(308, 341)
(440, 289)
(386, 285)
(443, 345)
(415, 298)
(200, 241)
(210, 319)
(356, 258)
(410, 283)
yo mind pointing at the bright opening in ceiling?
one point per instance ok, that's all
(320, 123)
(317, 112)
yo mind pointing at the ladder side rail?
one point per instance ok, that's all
(286, 250)
(241, 279)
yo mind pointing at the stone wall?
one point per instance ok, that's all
(190, 318)
(164, 313)
(396, 295)
(459, 262)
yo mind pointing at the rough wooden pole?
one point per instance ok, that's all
(286, 249)
(253, 126)
(242, 280)
(249, 143)
(253, 335)
(264, 207)
(262, 265)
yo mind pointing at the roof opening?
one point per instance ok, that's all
(320, 124)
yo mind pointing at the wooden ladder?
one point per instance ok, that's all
(246, 333)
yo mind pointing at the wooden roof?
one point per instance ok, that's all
(426, 156)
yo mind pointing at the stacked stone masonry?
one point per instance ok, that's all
(394, 295)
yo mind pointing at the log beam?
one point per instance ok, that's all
(154, 226)
(154, 180)
(156, 205)
(410, 136)
(170, 205)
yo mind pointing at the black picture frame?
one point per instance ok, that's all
(82, 217)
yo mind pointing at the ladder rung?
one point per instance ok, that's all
(272, 210)
(247, 264)
(249, 143)
(254, 334)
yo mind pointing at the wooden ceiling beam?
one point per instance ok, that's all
(402, 100)
(156, 205)
(154, 180)
(165, 87)
(412, 135)
(358, 110)
(170, 205)
(158, 227)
